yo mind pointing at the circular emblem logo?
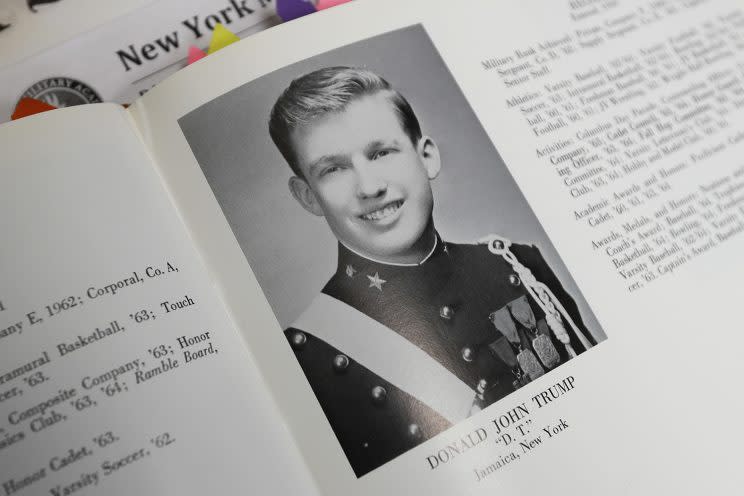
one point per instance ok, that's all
(62, 92)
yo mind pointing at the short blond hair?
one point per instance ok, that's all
(330, 90)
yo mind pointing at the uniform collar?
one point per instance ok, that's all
(349, 258)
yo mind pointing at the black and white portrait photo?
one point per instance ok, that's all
(412, 279)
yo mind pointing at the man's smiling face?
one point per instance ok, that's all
(365, 176)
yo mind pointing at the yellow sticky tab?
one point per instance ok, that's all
(221, 37)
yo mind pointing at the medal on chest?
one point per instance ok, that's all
(541, 343)
(529, 366)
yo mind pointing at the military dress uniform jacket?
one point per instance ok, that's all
(446, 307)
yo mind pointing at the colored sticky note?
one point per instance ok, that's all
(292, 9)
(221, 37)
(326, 4)
(30, 106)
(195, 54)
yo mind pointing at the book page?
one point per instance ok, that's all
(493, 242)
(120, 58)
(120, 372)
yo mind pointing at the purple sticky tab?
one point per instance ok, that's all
(292, 9)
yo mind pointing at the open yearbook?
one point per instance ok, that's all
(395, 247)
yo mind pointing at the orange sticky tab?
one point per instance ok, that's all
(195, 54)
(30, 106)
(221, 37)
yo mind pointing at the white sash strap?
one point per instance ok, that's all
(387, 354)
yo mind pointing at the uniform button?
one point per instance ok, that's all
(298, 340)
(340, 362)
(514, 280)
(379, 394)
(446, 312)
(414, 431)
(468, 354)
(365, 445)
(482, 385)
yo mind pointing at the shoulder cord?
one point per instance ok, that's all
(540, 293)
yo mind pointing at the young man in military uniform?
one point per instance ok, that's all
(412, 333)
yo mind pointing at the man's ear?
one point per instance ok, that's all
(428, 151)
(304, 195)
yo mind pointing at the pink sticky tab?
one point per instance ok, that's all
(326, 4)
(195, 54)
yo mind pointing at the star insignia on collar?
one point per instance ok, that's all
(350, 271)
(446, 249)
(376, 281)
